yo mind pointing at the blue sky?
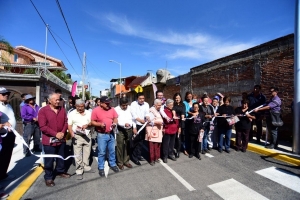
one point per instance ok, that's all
(144, 35)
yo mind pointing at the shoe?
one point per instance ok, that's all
(172, 158)
(271, 146)
(190, 156)
(157, 161)
(3, 195)
(237, 149)
(121, 167)
(141, 158)
(101, 172)
(202, 152)
(8, 177)
(152, 163)
(115, 169)
(206, 151)
(198, 156)
(128, 165)
(227, 151)
(165, 160)
(244, 151)
(89, 171)
(49, 183)
(79, 177)
(136, 162)
(177, 155)
(220, 150)
(64, 175)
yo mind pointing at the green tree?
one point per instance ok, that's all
(62, 76)
(87, 95)
(10, 51)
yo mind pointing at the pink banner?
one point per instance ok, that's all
(74, 89)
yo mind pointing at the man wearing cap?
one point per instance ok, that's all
(8, 140)
(29, 114)
(105, 119)
(53, 124)
(79, 124)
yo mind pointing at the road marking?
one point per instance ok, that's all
(209, 155)
(179, 178)
(282, 177)
(232, 189)
(173, 197)
(106, 167)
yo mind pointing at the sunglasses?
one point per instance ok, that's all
(6, 94)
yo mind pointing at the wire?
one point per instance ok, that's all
(60, 9)
(54, 37)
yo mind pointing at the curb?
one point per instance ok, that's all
(26, 184)
(270, 153)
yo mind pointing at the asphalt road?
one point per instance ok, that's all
(222, 176)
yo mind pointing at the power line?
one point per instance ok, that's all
(60, 9)
(54, 37)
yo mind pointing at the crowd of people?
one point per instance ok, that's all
(168, 128)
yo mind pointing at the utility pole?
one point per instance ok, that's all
(83, 76)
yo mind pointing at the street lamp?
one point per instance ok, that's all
(120, 74)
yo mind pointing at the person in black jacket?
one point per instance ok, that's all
(243, 126)
(195, 126)
(224, 128)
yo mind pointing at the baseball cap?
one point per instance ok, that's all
(3, 90)
(217, 97)
(105, 99)
(29, 96)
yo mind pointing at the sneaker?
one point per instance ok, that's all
(227, 151)
(9, 177)
(79, 177)
(101, 172)
(115, 169)
(3, 195)
(152, 163)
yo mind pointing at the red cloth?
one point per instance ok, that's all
(51, 123)
(170, 127)
(104, 116)
(154, 151)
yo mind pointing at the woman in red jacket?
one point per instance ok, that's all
(170, 129)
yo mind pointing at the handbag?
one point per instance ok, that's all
(232, 120)
(276, 116)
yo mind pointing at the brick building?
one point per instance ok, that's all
(268, 64)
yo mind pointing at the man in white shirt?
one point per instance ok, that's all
(7, 119)
(140, 115)
(79, 122)
(125, 129)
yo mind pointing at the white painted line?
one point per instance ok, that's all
(282, 177)
(179, 178)
(106, 167)
(234, 190)
(173, 197)
(209, 155)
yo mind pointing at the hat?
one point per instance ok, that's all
(217, 97)
(105, 99)
(29, 96)
(3, 90)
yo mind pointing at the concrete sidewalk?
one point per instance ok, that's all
(28, 169)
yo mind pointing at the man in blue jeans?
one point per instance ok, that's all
(105, 119)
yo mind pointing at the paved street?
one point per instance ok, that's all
(217, 176)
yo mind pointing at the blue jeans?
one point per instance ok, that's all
(106, 141)
(204, 141)
(227, 133)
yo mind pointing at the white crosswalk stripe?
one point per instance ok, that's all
(232, 189)
(282, 177)
(173, 197)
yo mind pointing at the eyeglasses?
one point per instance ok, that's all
(5, 94)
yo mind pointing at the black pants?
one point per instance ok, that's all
(177, 143)
(60, 163)
(8, 143)
(137, 144)
(168, 142)
(258, 123)
(195, 146)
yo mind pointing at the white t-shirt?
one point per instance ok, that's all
(8, 114)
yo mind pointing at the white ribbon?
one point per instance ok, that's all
(40, 156)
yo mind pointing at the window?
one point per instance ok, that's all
(16, 58)
(41, 63)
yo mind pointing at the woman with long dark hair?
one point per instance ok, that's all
(179, 109)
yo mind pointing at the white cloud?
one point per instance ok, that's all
(188, 45)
